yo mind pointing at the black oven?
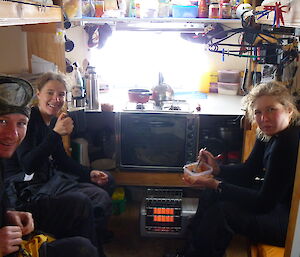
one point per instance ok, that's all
(159, 141)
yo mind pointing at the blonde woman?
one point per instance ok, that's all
(233, 202)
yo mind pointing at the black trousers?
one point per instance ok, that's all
(100, 201)
(67, 215)
(216, 221)
(71, 247)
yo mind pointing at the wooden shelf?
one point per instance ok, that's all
(156, 24)
(142, 178)
(16, 13)
(156, 20)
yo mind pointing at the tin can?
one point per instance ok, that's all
(213, 12)
(225, 11)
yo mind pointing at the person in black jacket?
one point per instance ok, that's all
(14, 114)
(42, 155)
(233, 202)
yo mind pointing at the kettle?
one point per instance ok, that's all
(162, 92)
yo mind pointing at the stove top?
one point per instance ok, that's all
(167, 106)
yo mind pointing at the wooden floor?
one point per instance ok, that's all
(127, 241)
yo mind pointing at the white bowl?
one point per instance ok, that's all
(191, 170)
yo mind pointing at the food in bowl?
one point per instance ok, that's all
(193, 169)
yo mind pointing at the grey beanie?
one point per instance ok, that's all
(15, 95)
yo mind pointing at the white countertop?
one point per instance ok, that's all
(221, 105)
(214, 104)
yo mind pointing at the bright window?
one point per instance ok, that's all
(134, 59)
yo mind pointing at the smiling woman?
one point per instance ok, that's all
(133, 59)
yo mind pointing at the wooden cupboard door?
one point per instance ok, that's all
(292, 233)
(44, 41)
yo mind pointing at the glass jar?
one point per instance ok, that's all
(163, 8)
(213, 12)
(225, 11)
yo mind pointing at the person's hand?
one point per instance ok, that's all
(211, 160)
(23, 220)
(99, 177)
(64, 125)
(202, 181)
(11, 238)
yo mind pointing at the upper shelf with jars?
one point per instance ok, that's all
(28, 12)
(182, 14)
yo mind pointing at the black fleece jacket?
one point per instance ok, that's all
(42, 151)
(275, 161)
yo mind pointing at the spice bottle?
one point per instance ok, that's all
(203, 9)
(213, 11)
(225, 11)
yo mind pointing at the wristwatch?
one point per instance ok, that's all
(219, 187)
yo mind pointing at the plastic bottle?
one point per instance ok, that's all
(137, 6)
(78, 92)
(131, 9)
(204, 83)
(203, 9)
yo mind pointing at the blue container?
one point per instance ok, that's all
(184, 11)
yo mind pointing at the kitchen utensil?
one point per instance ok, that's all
(199, 161)
(69, 67)
(139, 95)
(69, 44)
(162, 92)
(67, 23)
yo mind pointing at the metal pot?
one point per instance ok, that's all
(162, 92)
(139, 95)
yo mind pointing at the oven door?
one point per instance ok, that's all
(153, 141)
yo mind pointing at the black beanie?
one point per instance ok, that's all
(15, 95)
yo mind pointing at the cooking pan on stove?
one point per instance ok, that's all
(139, 95)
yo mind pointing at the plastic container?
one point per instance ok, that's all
(118, 206)
(88, 8)
(229, 76)
(204, 83)
(192, 169)
(99, 8)
(228, 88)
(163, 8)
(73, 9)
(119, 194)
(184, 11)
(149, 9)
(118, 201)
